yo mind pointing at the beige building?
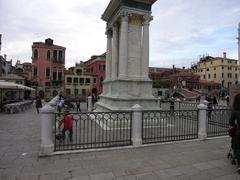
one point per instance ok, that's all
(218, 69)
(77, 83)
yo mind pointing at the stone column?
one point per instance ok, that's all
(89, 107)
(145, 47)
(202, 121)
(115, 52)
(137, 125)
(47, 146)
(123, 49)
(109, 55)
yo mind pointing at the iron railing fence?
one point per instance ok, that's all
(218, 121)
(179, 105)
(187, 105)
(94, 130)
(165, 126)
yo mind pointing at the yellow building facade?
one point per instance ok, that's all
(77, 84)
(218, 69)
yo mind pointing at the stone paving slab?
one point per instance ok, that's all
(19, 148)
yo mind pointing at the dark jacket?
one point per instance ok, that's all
(235, 120)
(38, 103)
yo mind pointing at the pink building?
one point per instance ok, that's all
(96, 68)
(48, 64)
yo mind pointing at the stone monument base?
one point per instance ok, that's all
(122, 94)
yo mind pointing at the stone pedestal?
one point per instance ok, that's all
(129, 84)
(202, 121)
(47, 146)
(123, 94)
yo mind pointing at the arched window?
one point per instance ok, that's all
(48, 54)
(35, 54)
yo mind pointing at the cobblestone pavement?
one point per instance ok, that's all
(19, 148)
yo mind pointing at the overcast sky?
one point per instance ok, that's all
(180, 31)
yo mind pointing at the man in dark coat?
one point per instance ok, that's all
(235, 121)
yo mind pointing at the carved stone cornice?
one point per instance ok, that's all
(135, 19)
(108, 33)
(147, 19)
(124, 16)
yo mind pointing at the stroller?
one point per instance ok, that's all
(232, 150)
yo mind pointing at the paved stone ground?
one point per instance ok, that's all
(19, 147)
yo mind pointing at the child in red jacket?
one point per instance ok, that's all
(67, 122)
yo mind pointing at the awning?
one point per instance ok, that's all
(10, 85)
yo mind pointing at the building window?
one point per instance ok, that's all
(223, 83)
(84, 92)
(68, 91)
(209, 76)
(222, 75)
(229, 84)
(54, 76)
(48, 54)
(47, 84)
(60, 55)
(215, 76)
(75, 92)
(55, 55)
(47, 72)
(222, 67)
(60, 75)
(204, 77)
(101, 79)
(102, 67)
(69, 80)
(207, 69)
(79, 71)
(81, 80)
(35, 54)
(95, 80)
(214, 69)
(229, 75)
(75, 80)
(236, 76)
(87, 80)
(34, 71)
(235, 69)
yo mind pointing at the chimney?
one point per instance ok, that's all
(49, 41)
(5, 57)
(224, 55)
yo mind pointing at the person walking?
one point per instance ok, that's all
(60, 104)
(38, 103)
(78, 104)
(214, 101)
(227, 99)
(235, 121)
